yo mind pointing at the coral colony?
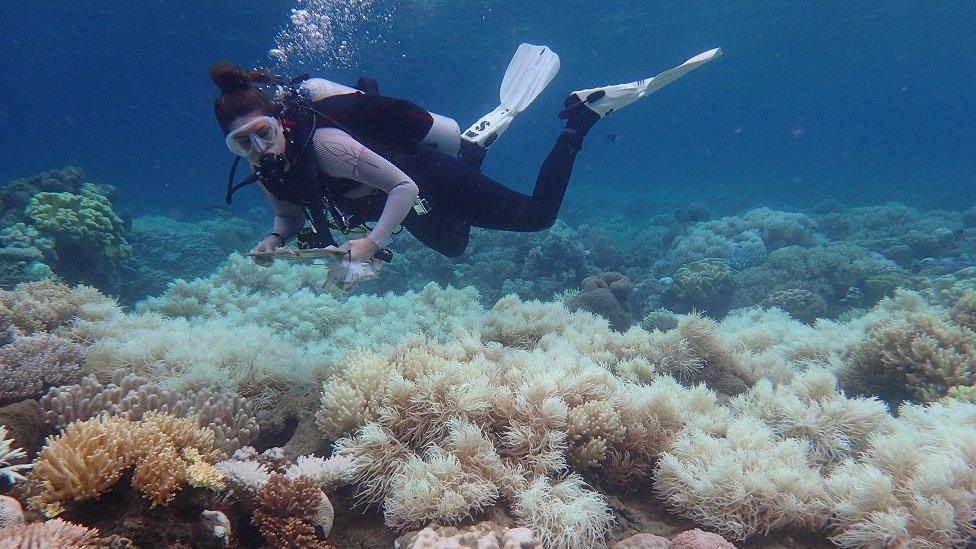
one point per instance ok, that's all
(769, 377)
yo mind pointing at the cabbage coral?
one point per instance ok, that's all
(85, 220)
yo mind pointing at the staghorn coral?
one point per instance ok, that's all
(911, 351)
(53, 533)
(286, 511)
(90, 456)
(31, 363)
(9, 454)
(230, 416)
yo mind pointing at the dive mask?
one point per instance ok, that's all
(255, 137)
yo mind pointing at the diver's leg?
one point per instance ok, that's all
(459, 191)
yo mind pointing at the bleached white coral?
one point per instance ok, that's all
(353, 394)
(435, 487)
(327, 473)
(249, 476)
(812, 408)
(744, 483)
(915, 485)
(8, 453)
(564, 514)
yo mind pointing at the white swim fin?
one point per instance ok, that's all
(529, 72)
(607, 99)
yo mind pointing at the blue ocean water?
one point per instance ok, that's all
(864, 102)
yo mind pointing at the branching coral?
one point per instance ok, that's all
(90, 456)
(914, 487)
(286, 512)
(31, 363)
(912, 351)
(9, 454)
(229, 416)
(53, 533)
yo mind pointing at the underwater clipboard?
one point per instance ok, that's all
(309, 254)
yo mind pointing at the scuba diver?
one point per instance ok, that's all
(342, 157)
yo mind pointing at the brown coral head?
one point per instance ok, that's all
(285, 513)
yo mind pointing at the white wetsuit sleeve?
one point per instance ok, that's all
(340, 155)
(289, 217)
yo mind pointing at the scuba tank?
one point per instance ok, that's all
(444, 134)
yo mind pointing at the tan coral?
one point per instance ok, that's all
(160, 475)
(914, 353)
(352, 396)
(90, 456)
(592, 428)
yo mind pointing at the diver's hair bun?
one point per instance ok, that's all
(231, 79)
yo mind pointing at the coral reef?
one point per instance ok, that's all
(830, 396)
(31, 363)
(229, 416)
(90, 456)
(286, 513)
(607, 295)
(703, 285)
(9, 471)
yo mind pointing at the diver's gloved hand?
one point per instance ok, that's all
(266, 246)
(360, 249)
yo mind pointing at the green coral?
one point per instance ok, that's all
(804, 305)
(85, 220)
(703, 285)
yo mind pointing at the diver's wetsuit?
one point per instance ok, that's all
(460, 197)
